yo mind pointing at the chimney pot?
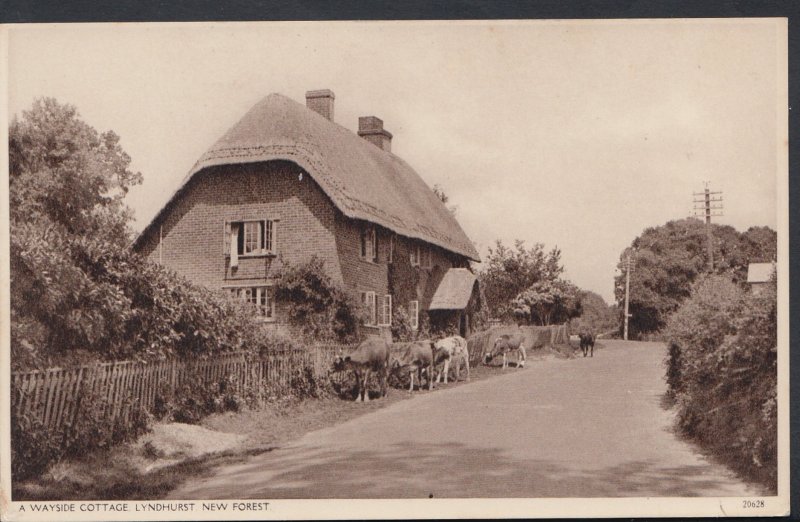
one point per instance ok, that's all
(321, 102)
(371, 129)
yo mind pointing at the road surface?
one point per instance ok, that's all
(585, 427)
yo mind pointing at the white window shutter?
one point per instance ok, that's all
(226, 238)
(275, 223)
(234, 246)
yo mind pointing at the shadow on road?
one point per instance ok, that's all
(438, 470)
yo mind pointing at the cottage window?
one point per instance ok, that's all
(369, 244)
(420, 256)
(368, 300)
(249, 238)
(414, 258)
(386, 311)
(259, 297)
(425, 257)
(413, 313)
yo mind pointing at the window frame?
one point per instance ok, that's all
(368, 232)
(425, 257)
(368, 299)
(413, 313)
(266, 237)
(265, 312)
(414, 255)
(385, 317)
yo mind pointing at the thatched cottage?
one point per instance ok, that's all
(286, 183)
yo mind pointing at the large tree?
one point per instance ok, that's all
(511, 271)
(669, 258)
(66, 176)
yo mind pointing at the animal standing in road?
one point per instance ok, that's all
(505, 344)
(451, 349)
(371, 356)
(587, 343)
(417, 356)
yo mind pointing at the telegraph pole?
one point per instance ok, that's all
(628, 266)
(708, 204)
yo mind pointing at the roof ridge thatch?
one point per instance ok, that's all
(363, 181)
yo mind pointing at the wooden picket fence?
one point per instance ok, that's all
(54, 396)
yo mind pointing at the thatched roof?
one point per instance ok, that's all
(454, 291)
(363, 181)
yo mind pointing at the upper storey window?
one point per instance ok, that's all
(250, 238)
(369, 244)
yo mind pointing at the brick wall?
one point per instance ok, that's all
(194, 228)
(307, 224)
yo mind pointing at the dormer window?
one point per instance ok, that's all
(369, 244)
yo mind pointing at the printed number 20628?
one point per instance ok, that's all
(752, 503)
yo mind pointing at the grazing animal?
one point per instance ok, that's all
(451, 349)
(505, 344)
(587, 343)
(370, 356)
(417, 356)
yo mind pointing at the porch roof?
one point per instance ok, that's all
(454, 291)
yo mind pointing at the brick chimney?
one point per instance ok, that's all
(371, 129)
(321, 102)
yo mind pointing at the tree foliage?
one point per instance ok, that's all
(77, 292)
(596, 316)
(444, 198)
(511, 271)
(548, 301)
(722, 372)
(317, 306)
(669, 258)
(66, 174)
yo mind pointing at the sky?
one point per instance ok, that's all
(575, 134)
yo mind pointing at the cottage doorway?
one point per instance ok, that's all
(463, 325)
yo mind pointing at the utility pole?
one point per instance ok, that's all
(708, 204)
(628, 267)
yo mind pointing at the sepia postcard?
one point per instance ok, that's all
(395, 270)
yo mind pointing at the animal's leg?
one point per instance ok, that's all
(411, 386)
(524, 356)
(446, 369)
(384, 381)
(466, 363)
(358, 386)
(366, 385)
(430, 376)
(505, 361)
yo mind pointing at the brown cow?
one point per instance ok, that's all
(587, 343)
(505, 344)
(372, 355)
(417, 356)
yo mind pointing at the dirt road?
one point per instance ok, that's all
(558, 428)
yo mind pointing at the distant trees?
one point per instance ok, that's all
(669, 258)
(548, 301)
(444, 198)
(525, 285)
(596, 316)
